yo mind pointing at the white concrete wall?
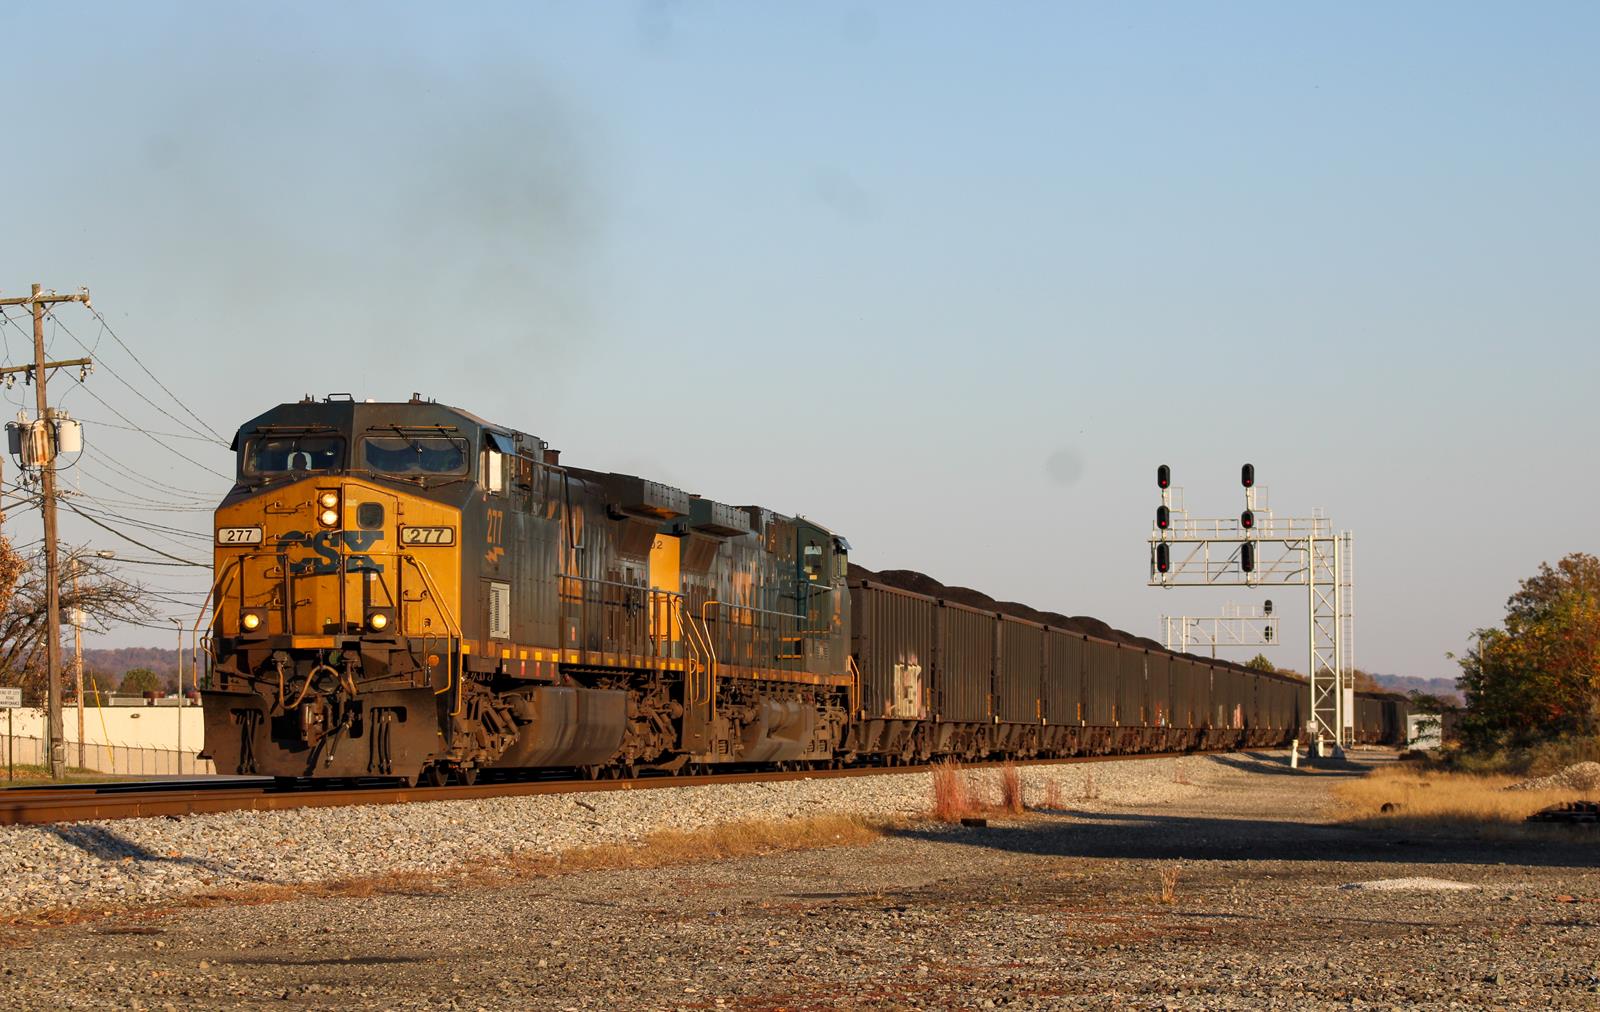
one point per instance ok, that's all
(133, 726)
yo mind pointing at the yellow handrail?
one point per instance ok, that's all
(705, 630)
(451, 657)
(692, 686)
(211, 598)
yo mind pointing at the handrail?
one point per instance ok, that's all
(705, 629)
(211, 602)
(855, 683)
(693, 686)
(452, 658)
(433, 592)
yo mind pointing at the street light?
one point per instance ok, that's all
(77, 640)
(178, 624)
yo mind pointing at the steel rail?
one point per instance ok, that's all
(25, 806)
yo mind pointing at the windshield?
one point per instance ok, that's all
(400, 454)
(280, 454)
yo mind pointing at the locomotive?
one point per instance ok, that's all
(407, 591)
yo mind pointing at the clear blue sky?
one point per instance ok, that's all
(877, 263)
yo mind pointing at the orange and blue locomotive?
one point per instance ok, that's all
(406, 590)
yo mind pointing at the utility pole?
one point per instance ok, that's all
(37, 301)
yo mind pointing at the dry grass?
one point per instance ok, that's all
(1168, 883)
(658, 850)
(1440, 800)
(714, 843)
(1052, 796)
(1011, 801)
(952, 800)
(1090, 790)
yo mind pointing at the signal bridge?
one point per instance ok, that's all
(1257, 549)
(1233, 628)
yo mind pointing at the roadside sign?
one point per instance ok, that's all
(10, 698)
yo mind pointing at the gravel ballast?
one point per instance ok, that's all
(1225, 892)
(159, 859)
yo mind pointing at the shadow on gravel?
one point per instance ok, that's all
(100, 842)
(325, 961)
(1278, 765)
(1068, 833)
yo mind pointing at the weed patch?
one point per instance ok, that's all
(1435, 799)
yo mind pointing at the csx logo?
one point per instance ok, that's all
(326, 547)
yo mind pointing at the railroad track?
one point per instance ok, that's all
(152, 799)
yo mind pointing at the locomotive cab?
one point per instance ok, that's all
(336, 627)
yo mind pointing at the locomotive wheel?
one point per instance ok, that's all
(433, 775)
(468, 775)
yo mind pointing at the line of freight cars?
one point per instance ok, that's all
(947, 671)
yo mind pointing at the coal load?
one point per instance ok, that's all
(921, 583)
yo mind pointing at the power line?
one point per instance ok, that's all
(135, 541)
(136, 391)
(146, 432)
(132, 428)
(151, 526)
(110, 330)
(150, 483)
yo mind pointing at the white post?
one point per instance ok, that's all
(179, 624)
(1311, 631)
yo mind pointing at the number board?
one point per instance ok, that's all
(427, 535)
(238, 535)
(10, 698)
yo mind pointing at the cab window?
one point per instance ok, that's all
(288, 453)
(813, 562)
(401, 454)
(492, 470)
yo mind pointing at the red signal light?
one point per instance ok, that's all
(1247, 520)
(1163, 559)
(1247, 476)
(1163, 476)
(1163, 517)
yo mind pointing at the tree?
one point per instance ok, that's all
(138, 681)
(1260, 663)
(1538, 676)
(1364, 682)
(104, 598)
(1427, 702)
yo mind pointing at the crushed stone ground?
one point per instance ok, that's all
(1584, 776)
(1056, 910)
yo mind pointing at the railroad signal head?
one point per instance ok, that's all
(1247, 520)
(1163, 559)
(1247, 557)
(1267, 632)
(1266, 609)
(1247, 476)
(1163, 517)
(1163, 476)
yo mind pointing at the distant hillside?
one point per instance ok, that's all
(1445, 688)
(108, 666)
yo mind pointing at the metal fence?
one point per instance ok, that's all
(126, 760)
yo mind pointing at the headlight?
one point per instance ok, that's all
(328, 500)
(377, 621)
(251, 621)
(329, 518)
